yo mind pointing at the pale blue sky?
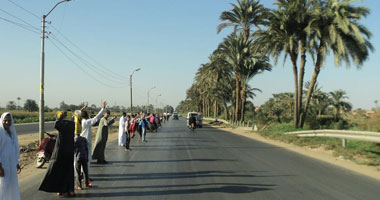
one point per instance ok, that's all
(168, 39)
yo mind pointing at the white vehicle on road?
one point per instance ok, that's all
(198, 119)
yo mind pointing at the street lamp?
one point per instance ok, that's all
(42, 71)
(148, 97)
(130, 84)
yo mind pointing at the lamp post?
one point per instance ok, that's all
(42, 74)
(148, 98)
(130, 84)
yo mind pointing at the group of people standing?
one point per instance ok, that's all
(73, 150)
(140, 122)
(70, 161)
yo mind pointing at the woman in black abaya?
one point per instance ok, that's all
(59, 176)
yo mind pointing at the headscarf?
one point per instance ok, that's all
(58, 114)
(78, 121)
(12, 129)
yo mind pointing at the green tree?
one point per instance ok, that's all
(334, 27)
(245, 63)
(11, 105)
(242, 16)
(284, 34)
(30, 105)
(339, 104)
(18, 102)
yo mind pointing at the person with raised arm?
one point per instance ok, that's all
(87, 123)
(102, 137)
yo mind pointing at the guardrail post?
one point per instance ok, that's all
(344, 143)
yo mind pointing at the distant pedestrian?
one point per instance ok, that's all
(144, 124)
(102, 137)
(132, 126)
(122, 130)
(128, 133)
(9, 155)
(80, 161)
(59, 176)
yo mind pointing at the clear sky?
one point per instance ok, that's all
(167, 39)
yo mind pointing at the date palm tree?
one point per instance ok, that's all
(242, 16)
(339, 104)
(334, 27)
(258, 65)
(18, 102)
(284, 34)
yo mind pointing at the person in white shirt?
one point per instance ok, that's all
(9, 155)
(122, 136)
(87, 123)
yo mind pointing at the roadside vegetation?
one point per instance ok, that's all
(298, 31)
(29, 112)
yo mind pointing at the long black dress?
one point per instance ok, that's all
(59, 176)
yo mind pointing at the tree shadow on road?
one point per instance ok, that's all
(176, 175)
(175, 161)
(221, 189)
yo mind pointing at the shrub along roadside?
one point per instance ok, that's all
(365, 153)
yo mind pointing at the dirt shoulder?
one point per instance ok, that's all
(317, 153)
(27, 158)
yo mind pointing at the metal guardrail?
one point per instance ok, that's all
(351, 135)
(246, 125)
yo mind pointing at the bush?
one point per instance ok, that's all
(341, 125)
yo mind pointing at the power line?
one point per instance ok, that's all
(20, 25)
(24, 9)
(30, 25)
(110, 73)
(100, 68)
(84, 71)
(85, 62)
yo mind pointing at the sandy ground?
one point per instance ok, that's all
(27, 159)
(317, 153)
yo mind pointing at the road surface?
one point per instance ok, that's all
(33, 128)
(179, 164)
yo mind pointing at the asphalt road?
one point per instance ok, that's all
(33, 128)
(179, 164)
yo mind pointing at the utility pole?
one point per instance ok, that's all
(130, 85)
(42, 76)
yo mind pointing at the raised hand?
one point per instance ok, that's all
(104, 104)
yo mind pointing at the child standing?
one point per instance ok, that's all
(80, 161)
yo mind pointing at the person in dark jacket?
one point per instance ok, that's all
(59, 176)
(80, 161)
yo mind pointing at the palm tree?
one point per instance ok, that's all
(214, 80)
(334, 27)
(243, 16)
(258, 65)
(339, 105)
(18, 102)
(284, 34)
